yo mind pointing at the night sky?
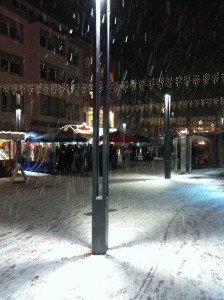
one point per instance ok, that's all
(153, 37)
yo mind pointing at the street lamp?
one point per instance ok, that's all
(167, 138)
(18, 118)
(100, 202)
(124, 126)
(18, 142)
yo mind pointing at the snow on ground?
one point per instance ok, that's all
(165, 237)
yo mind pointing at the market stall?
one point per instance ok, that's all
(8, 149)
(39, 150)
(201, 155)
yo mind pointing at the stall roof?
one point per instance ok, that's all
(57, 135)
(12, 135)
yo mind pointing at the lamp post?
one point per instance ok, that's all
(18, 142)
(124, 126)
(100, 202)
(106, 113)
(167, 139)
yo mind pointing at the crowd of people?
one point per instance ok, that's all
(78, 158)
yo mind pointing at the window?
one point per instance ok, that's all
(73, 112)
(10, 102)
(3, 25)
(16, 100)
(61, 75)
(11, 28)
(61, 108)
(72, 80)
(43, 71)
(43, 41)
(4, 65)
(11, 63)
(60, 47)
(73, 57)
(52, 106)
(4, 102)
(52, 73)
(44, 105)
(52, 42)
(15, 68)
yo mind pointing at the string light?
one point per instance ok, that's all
(205, 79)
(115, 86)
(175, 104)
(196, 80)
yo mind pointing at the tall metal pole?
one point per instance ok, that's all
(106, 110)
(167, 139)
(100, 203)
(18, 142)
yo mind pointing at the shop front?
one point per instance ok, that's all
(8, 150)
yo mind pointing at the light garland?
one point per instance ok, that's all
(185, 81)
(158, 107)
(181, 122)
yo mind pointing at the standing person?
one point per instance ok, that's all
(62, 159)
(69, 158)
(90, 149)
(194, 154)
(75, 156)
(112, 156)
(84, 161)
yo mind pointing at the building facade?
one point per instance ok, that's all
(41, 70)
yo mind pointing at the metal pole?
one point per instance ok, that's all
(167, 139)
(100, 203)
(106, 110)
(175, 161)
(190, 154)
(96, 199)
(18, 142)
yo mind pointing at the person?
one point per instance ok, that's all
(62, 159)
(84, 161)
(69, 158)
(194, 154)
(112, 156)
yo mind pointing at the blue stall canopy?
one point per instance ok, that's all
(56, 135)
